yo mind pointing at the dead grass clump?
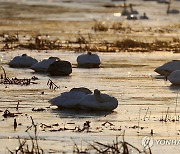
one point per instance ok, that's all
(78, 150)
(138, 46)
(81, 39)
(167, 117)
(10, 41)
(25, 147)
(128, 43)
(52, 85)
(14, 81)
(119, 27)
(38, 42)
(173, 45)
(89, 42)
(100, 26)
(159, 43)
(7, 114)
(176, 40)
(42, 43)
(117, 147)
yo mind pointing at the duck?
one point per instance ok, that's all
(173, 11)
(70, 99)
(125, 12)
(144, 17)
(131, 17)
(98, 101)
(83, 98)
(131, 10)
(60, 68)
(23, 61)
(174, 77)
(88, 60)
(43, 65)
(167, 68)
(81, 89)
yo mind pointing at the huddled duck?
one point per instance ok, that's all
(144, 17)
(173, 11)
(174, 77)
(98, 101)
(69, 99)
(167, 68)
(88, 60)
(81, 89)
(131, 17)
(83, 98)
(60, 68)
(132, 11)
(23, 61)
(125, 12)
(43, 65)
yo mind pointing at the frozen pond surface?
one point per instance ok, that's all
(143, 97)
(129, 77)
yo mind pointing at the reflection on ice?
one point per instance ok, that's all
(71, 113)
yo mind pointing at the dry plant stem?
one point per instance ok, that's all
(116, 147)
(146, 114)
(176, 107)
(15, 124)
(167, 115)
(149, 115)
(4, 72)
(21, 144)
(17, 106)
(139, 119)
(52, 85)
(77, 150)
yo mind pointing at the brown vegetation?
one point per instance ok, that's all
(15, 81)
(90, 43)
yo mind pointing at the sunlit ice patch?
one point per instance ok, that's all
(117, 14)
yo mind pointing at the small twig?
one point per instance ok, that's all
(107, 122)
(133, 147)
(4, 72)
(139, 119)
(98, 149)
(15, 124)
(52, 85)
(176, 106)
(33, 124)
(17, 106)
(146, 114)
(166, 117)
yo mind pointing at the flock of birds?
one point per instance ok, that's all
(53, 65)
(83, 98)
(131, 14)
(76, 98)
